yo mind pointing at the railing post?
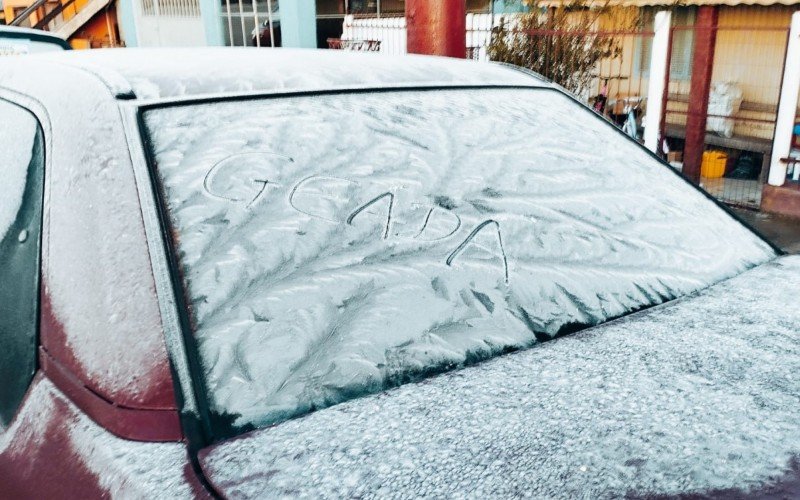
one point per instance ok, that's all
(437, 27)
(657, 86)
(787, 107)
(702, 66)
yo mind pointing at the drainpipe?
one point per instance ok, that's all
(437, 27)
(702, 66)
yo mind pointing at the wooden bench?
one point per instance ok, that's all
(740, 143)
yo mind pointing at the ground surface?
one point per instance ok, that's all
(698, 396)
(782, 231)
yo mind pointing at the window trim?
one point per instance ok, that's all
(28, 105)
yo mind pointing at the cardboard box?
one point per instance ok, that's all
(674, 156)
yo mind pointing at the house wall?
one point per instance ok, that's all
(170, 23)
(100, 31)
(750, 53)
(753, 59)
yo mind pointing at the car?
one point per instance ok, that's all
(249, 273)
(16, 41)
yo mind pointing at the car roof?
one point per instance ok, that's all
(168, 74)
(33, 35)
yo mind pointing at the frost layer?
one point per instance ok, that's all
(336, 245)
(19, 132)
(696, 395)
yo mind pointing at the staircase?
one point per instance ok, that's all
(60, 17)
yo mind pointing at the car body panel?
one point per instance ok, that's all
(102, 321)
(192, 73)
(18, 41)
(53, 450)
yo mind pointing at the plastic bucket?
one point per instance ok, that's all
(713, 165)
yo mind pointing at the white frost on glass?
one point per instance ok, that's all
(701, 394)
(336, 245)
(17, 133)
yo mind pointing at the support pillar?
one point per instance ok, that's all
(437, 27)
(211, 13)
(127, 20)
(299, 24)
(787, 107)
(705, 36)
(657, 87)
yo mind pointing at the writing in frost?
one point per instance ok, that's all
(246, 178)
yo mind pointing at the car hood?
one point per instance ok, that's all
(697, 395)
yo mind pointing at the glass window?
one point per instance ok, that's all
(330, 7)
(680, 67)
(22, 160)
(336, 245)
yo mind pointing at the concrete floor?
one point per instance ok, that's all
(784, 232)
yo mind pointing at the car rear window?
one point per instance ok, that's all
(334, 245)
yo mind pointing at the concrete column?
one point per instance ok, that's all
(127, 19)
(211, 12)
(436, 27)
(657, 86)
(787, 107)
(298, 23)
(705, 37)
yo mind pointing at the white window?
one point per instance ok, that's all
(680, 67)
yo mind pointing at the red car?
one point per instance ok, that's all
(245, 273)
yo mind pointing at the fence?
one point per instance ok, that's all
(389, 31)
(171, 8)
(742, 106)
(247, 23)
(605, 65)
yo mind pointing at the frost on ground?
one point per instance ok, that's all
(699, 394)
(333, 246)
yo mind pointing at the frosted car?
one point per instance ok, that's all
(18, 41)
(254, 274)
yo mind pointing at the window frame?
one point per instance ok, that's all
(686, 28)
(42, 141)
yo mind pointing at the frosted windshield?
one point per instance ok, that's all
(336, 245)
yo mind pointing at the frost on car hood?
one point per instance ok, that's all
(335, 245)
